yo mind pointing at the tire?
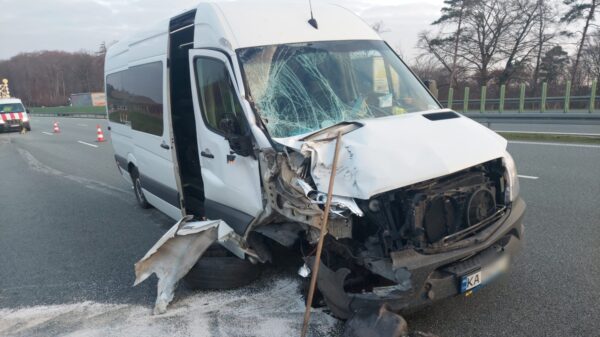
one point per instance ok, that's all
(137, 189)
(221, 272)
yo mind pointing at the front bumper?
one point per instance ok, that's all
(433, 276)
(6, 127)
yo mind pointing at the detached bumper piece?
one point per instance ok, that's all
(430, 276)
(177, 251)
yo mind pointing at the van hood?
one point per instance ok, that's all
(392, 152)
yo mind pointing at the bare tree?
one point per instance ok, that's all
(544, 35)
(591, 56)
(453, 12)
(436, 47)
(379, 27)
(485, 34)
(519, 42)
(48, 78)
(580, 10)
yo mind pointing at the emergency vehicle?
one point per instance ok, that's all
(13, 115)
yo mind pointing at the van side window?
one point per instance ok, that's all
(135, 97)
(116, 98)
(217, 94)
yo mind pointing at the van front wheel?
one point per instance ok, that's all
(137, 188)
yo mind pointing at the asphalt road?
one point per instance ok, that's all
(70, 232)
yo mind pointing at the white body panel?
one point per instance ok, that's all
(397, 151)
(141, 149)
(385, 154)
(235, 184)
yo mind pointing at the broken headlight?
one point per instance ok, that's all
(512, 179)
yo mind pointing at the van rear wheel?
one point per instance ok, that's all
(137, 189)
(219, 269)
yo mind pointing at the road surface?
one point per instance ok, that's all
(70, 232)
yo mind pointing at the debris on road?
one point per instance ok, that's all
(176, 252)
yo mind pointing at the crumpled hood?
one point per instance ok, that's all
(397, 151)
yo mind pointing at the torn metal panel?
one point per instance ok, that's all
(176, 252)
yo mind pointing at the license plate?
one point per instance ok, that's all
(484, 275)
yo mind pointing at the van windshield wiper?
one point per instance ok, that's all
(331, 132)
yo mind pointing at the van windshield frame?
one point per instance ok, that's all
(300, 88)
(16, 107)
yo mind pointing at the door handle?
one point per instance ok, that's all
(164, 145)
(207, 154)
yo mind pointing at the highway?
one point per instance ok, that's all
(70, 232)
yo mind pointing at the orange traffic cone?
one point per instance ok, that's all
(56, 128)
(100, 134)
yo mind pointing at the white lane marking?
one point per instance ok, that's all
(528, 177)
(47, 133)
(552, 133)
(82, 125)
(556, 144)
(88, 144)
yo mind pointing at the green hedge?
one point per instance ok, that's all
(95, 110)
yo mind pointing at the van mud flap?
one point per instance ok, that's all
(172, 257)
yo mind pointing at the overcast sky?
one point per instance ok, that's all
(71, 25)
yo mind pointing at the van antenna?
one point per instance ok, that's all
(312, 20)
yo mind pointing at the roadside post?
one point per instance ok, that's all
(522, 98)
(567, 97)
(502, 94)
(593, 96)
(544, 97)
(482, 103)
(466, 100)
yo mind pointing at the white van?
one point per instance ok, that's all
(13, 115)
(226, 112)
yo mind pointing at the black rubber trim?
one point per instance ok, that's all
(121, 161)
(236, 219)
(182, 20)
(438, 116)
(162, 191)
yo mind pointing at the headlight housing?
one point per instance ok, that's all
(512, 179)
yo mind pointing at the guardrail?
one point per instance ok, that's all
(574, 118)
(70, 111)
(521, 104)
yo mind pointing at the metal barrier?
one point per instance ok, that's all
(521, 104)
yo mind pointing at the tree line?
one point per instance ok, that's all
(511, 42)
(48, 78)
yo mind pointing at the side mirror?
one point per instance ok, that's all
(240, 142)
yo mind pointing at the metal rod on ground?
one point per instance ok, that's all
(324, 220)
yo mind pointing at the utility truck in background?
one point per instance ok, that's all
(228, 112)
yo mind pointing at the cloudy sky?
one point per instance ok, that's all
(30, 25)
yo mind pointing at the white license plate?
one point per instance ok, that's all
(484, 275)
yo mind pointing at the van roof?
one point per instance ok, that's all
(10, 100)
(240, 24)
(259, 23)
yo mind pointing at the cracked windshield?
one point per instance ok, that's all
(300, 88)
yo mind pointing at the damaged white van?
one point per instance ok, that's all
(226, 112)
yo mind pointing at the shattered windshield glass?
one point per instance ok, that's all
(303, 87)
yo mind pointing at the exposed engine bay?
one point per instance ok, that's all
(368, 240)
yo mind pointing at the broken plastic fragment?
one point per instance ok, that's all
(304, 271)
(175, 253)
(338, 203)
